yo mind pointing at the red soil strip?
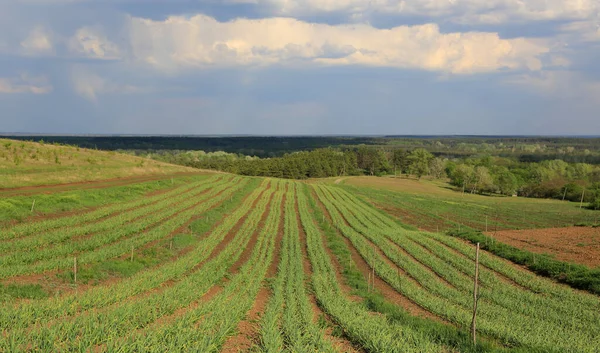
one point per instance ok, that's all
(248, 329)
(573, 244)
(97, 184)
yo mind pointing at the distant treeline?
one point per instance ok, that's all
(524, 149)
(484, 174)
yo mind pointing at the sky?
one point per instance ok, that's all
(300, 67)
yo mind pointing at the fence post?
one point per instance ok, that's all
(132, 253)
(486, 223)
(473, 322)
(75, 269)
(32, 205)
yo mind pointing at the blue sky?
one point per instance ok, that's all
(300, 66)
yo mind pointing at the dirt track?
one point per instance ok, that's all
(574, 244)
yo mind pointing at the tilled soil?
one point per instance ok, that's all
(573, 244)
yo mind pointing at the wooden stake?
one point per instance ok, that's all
(132, 253)
(473, 322)
(75, 269)
(369, 282)
(582, 194)
(171, 245)
(486, 223)
(565, 194)
(373, 277)
(32, 205)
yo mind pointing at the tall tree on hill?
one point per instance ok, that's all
(400, 160)
(419, 162)
(437, 168)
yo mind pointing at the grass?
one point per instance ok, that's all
(30, 163)
(18, 208)
(433, 206)
(22, 291)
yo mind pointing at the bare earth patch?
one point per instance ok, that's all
(574, 244)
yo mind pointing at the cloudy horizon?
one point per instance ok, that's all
(300, 67)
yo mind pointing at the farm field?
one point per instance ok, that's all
(571, 244)
(219, 262)
(434, 206)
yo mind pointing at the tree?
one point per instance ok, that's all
(437, 168)
(462, 176)
(483, 181)
(419, 162)
(400, 160)
(372, 160)
(506, 181)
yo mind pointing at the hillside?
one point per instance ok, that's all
(25, 163)
(226, 263)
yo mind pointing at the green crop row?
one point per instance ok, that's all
(205, 327)
(85, 330)
(33, 228)
(372, 332)
(450, 297)
(112, 244)
(25, 314)
(124, 217)
(288, 322)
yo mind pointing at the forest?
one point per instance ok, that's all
(481, 174)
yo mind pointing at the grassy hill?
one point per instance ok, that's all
(435, 206)
(25, 163)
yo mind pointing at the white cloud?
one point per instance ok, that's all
(90, 85)
(37, 42)
(90, 42)
(25, 84)
(202, 41)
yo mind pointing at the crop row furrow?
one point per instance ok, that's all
(27, 313)
(98, 327)
(33, 228)
(205, 327)
(11, 250)
(374, 333)
(447, 301)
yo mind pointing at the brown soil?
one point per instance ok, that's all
(573, 244)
